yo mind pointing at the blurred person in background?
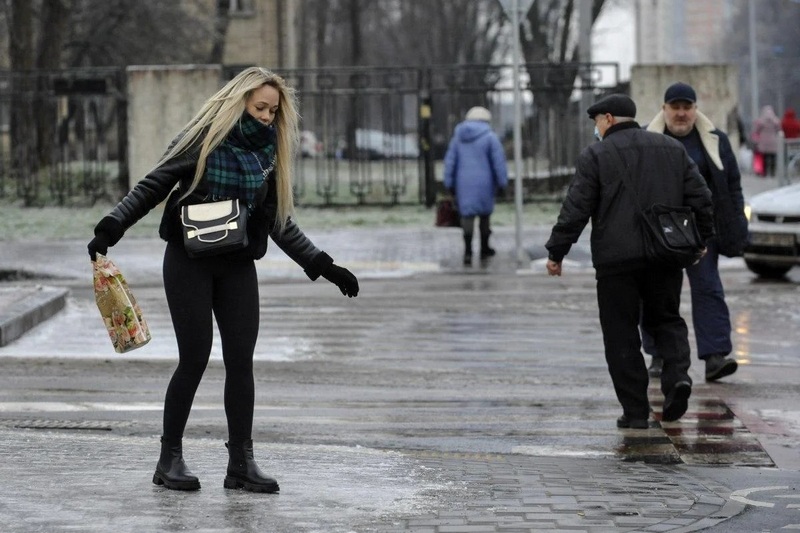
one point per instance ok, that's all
(790, 125)
(765, 137)
(475, 172)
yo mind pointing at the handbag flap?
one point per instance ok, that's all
(213, 211)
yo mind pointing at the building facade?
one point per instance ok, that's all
(681, 31)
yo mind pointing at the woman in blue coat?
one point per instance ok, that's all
(474, 170)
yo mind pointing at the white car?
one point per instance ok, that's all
(774, 227)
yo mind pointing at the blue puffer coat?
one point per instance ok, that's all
(475, 167)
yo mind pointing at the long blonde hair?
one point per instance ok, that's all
(222, 111)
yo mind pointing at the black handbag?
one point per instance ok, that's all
(671, 236)
(669, 233)
(214, 228)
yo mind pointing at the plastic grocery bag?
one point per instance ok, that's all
(118, 308)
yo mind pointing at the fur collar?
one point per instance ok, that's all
(706, 129)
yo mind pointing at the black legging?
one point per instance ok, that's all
(468, 226)
(195, 288)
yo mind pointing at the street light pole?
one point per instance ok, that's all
(517, 136)
(751, 12)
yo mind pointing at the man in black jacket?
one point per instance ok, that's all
(628, 286)
(711, 150)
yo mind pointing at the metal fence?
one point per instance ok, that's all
(62, 136)
(370, 136)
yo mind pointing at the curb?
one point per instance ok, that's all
(23, 308)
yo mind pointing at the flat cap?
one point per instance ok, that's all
(618, 105)
(680, 91)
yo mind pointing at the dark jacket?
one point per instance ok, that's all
(725, 182)
(159, 183)
(661, 172)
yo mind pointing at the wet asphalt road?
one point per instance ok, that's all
(441, 400)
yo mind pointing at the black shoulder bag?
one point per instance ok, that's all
(215, 228)
(669, 232)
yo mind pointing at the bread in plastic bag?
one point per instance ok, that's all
(121, 314)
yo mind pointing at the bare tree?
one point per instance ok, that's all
(119, 33)
(21, 56)
(549, 35)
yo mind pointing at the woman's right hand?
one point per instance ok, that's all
(98, 245)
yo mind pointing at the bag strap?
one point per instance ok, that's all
(626, 175)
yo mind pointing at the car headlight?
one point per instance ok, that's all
(748, 211)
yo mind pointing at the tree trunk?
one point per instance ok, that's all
(53, 29)
(20, 40)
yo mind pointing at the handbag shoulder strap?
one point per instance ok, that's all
(626, 174)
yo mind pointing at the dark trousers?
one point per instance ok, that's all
(710, 315)
(769, 164)
(468, 225)
(196, 288)
(652, 295)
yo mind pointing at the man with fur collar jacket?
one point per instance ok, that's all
(711, 151)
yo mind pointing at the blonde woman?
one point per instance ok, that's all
(250, 125)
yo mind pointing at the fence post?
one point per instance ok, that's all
(426, 147)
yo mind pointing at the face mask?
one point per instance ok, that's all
(597, 133)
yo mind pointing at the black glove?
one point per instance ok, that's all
(98, 245)
(342, 278)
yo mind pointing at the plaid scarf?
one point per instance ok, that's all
(239, 165)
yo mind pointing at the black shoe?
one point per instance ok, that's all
(244, 473)
(676, 401)
(719, 366)
(487, 252)
(171, 471)
(632, 423)
(655, 368)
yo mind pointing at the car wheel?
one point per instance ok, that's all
(766, 270)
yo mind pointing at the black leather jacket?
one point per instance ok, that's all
(159, 183)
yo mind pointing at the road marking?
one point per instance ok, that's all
(742, 496)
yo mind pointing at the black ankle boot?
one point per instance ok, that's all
(243, 472)
(171, 471)
(486, 250)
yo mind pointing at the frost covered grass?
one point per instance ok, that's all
(46, 223)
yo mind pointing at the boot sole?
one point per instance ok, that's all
(175, 485)
(235, 483)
